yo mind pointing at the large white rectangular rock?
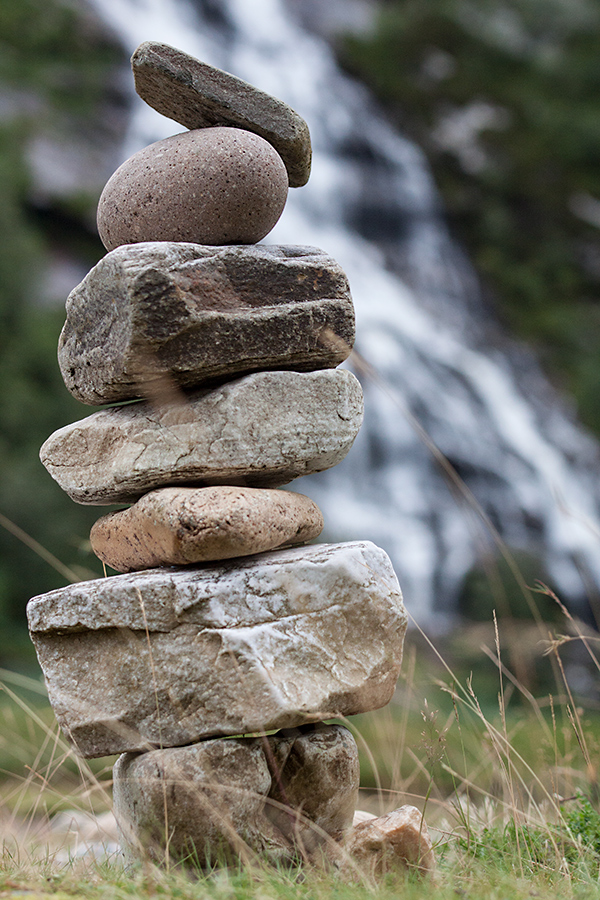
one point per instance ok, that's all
(171, 656)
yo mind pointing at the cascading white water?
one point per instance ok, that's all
(371, 204)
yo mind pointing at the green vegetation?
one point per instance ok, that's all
(508, 785)
(53, 69)
(503, 97)
(56, 51)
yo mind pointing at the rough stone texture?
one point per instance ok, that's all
(316, 773)
(213, 186)
(178, 526)
(193, 314)
(278, 797)
(379, 845)
(172, 656)
(198, 95)
(263, 430)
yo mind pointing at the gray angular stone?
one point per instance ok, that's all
(279, 797)
(263, 430)
(214, 186)
(316, 773)
(179, 526)
(193, 314)
(198, 95)
(172, 656)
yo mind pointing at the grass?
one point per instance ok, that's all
(508, 785)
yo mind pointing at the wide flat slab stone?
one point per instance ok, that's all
(280, 796)
(179, 526)
(212, 186)
(168, 657)
(195, 314)
(198, 95)
(263, 430)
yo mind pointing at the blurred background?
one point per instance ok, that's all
(456, 177)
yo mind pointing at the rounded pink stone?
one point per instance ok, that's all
(208, 186)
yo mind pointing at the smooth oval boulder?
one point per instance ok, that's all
(282, 795)
(171, 656)
(263, 430)
(209, 186)
(179, 526)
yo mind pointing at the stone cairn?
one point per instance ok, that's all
(212, 662)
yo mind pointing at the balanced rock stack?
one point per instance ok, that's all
(220, 631)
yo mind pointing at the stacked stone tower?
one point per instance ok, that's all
(212, 662)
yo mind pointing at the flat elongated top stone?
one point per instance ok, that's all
(195, 314)
(178, 526)
(261, 431)
(171, 656)
(198, 95)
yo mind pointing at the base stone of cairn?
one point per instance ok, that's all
(220, 630)
(277, 797)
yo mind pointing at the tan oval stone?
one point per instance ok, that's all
(209, 186)
(177, 526)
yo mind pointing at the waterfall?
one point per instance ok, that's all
(438, 374)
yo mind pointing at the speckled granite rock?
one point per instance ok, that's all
(172, 656)
(263, 430)
(178, 526)
(198, 95)
(194, 313)
(280, 796)
(213, 186)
